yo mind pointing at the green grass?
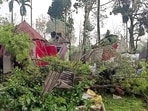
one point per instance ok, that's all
(124, 104)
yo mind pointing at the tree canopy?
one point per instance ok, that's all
(59, 8)
(135, 15)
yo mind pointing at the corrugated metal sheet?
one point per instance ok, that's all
(26, 28)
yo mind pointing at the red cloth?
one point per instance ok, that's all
(43, 51)
(115, 46)
(109, 53)
(51, 50)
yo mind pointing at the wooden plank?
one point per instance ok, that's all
(59, 80)
(50, 82)
(66, 80)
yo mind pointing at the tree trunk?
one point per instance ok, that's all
(65, 23)
(55, 24)
(87, 10)
(147, 49)
(84, 35)
(126, 28)
(12, 16)
(126, 36)
(131, 39)
(31, 13)
(98, 21)
(22, 18)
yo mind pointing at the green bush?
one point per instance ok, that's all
(22, 91)
(139, 82)
(23, 87)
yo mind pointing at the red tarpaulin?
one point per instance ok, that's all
(43, 51)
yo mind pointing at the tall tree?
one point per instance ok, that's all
(55, 11)
(11, 6)
(1, 1)
(62, 13)
(100, 15)
(51, 26)
(23, 10)
(87, 5)
(132, 12)
(67, 14)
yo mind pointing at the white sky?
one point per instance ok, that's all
(40, 7)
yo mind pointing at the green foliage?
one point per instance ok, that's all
(72, 96)
(109, 40)
(126, 67)
(83, 69)
(23, 4)
(17, 44)
(89, 26)
(11, 3)
(138, 83)
(126, 75)
(1, 1)
(51, 26)
(60, 65)
(22, 91)
(54, 12)
(134, 12)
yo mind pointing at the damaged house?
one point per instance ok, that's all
(41, 48)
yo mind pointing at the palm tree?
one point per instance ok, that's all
(23, 9)
(11, 6)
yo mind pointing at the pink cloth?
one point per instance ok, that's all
(63, 51)
(107, 54)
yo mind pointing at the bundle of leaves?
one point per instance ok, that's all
(18, 44)
(138, 83)
(22, 92)
(59, 65)
(22, 89)
(125, 75)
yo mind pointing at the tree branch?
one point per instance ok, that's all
(106, 3)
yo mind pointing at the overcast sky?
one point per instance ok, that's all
(40, 7)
